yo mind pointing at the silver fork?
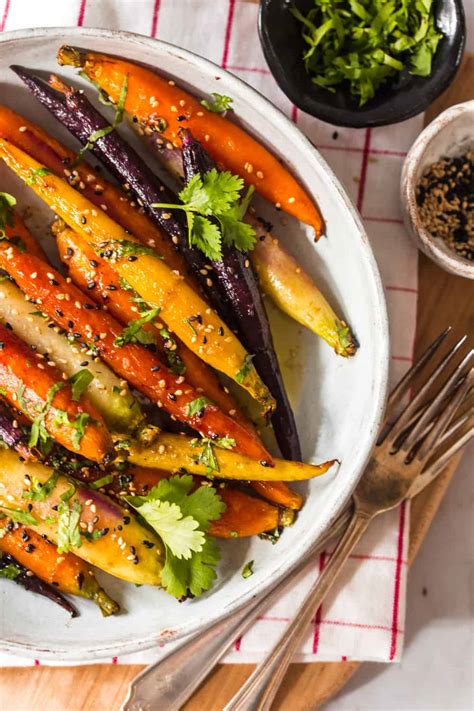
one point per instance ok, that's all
(387, 481)
(170, 682)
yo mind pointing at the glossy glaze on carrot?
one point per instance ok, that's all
(158, 105)
(62, 161)
(86, 266)
(27, 380)
(72, 310)
(66, 572)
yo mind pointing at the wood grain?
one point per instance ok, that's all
(443, 299)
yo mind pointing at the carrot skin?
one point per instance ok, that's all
(228, 143)
(20, 369)
(147, 274)
(136, 364)
(60, 160)
(66, 572)
(86, 266)
(19, 235)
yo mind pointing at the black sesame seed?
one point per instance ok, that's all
(112, 287)
(155, 368)
(30, 548)
(91, 284)
(132, 258)
(148, 544)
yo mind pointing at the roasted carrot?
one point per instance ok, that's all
(181, 308)
(244, 515)
(19, 234)
(72, 310)
(85, 266)
(70, 509)
(60, 160)
(66, 572)
(158, 105)
(295, 292)
(170, 452)
(279, 492)
(36, 388)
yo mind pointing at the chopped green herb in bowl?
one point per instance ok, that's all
(366, 42)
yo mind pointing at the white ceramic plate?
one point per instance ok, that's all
(338, 403)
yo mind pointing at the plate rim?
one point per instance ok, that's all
(381, 324)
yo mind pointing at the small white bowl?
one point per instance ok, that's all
(451, 134)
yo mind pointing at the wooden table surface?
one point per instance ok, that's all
(443, 299)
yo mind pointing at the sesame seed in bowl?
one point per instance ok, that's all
(437, 190)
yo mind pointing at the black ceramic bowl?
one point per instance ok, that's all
(399, 99)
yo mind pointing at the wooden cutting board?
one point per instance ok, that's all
(443, 299)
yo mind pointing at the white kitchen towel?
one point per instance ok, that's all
(363, 619)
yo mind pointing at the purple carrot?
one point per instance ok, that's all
(12, 570)
(237, 279)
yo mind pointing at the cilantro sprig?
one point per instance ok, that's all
(214, 210)
(219, 104)
(366, 42)
(181, 517)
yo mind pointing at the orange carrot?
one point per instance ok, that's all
(60, 160)
(37, 389)
(85, 266)
(244, 515)
(279, 492)
(66, 572)
(72, 310)
(158, 105)
(19, 234)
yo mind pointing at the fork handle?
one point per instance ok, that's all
(258, 692)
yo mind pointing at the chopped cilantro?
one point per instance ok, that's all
(225, 442)
(181, 518)
(7, 203)
(116, 249)
(39, 172)
(195, 407)
(19, 516)
(39, 434)
(135, 333)
(365, 43)
(247, 570)
(80, 424)
(68, 535)
(245, 369)
(207, 456)
(219, 104)
(40, 492)
(79, 382)
(102, 132)
(20, 393)
(214, 211)
(103, 481)
(11, 571)
(175, 364)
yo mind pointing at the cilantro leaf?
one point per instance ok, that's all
(80, 381)
(103, 481)
(39, 172)
(19, 516)
(39, 434)
(177, 532)
(181, 517)
(11, 571)
(102, 132)
(247, 570)
(214, 211)
(195, 576)
(219, 104)
(40, 492)
(68, 534)
(7, 203)
(245, 369)
(80, 424)
(175, 364)
(197, 406)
